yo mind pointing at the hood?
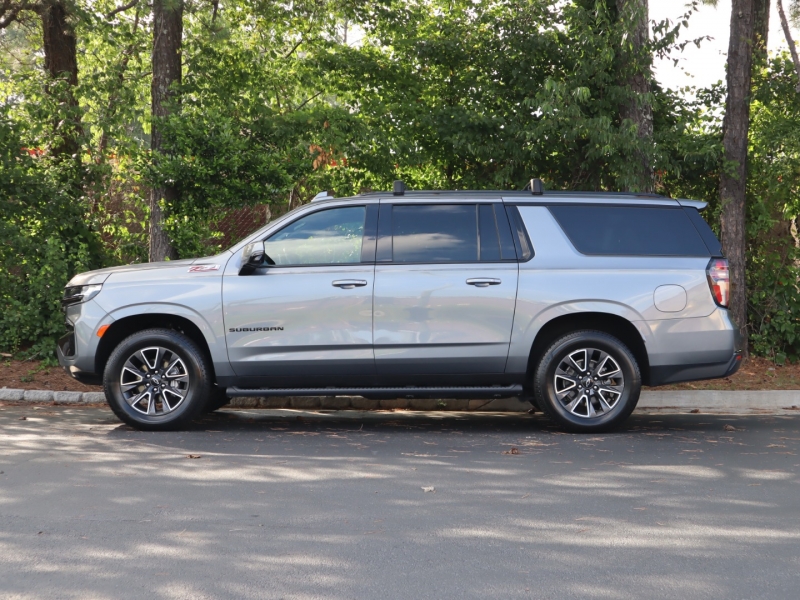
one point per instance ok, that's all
(100, 275)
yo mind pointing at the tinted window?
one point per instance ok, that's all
(436, 233)
(712, 243)
(630, 230)
(506, 239)
(490, 240)
(326, 237)
(521, 241)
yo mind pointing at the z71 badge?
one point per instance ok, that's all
(203, 268)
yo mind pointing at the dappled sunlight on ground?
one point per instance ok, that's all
(332, 506)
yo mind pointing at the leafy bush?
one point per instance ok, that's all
(44, 237)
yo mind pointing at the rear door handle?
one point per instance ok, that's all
(483, 282)
(349, 284)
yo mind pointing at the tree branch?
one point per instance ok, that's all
(792, 48)
(11, 12)
(308, 100)
(122, 8)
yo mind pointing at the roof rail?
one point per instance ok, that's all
(323, 195)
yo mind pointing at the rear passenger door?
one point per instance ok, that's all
(445, 288)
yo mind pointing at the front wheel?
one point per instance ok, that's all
(587, 381)
(157, 379)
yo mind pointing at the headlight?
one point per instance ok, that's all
(80, 293)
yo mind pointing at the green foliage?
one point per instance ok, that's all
(278, 102)
(773, 269)
(45, 241)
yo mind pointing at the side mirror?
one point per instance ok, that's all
(254, 257)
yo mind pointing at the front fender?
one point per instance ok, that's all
(213, 330)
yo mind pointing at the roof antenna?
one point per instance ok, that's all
(535, 186)
(399, 188)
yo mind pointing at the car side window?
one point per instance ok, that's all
(434, 233)
(328, 237)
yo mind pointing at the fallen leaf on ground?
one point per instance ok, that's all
(729, 428)
(694, 411)
(428, 489)
(193, 456)
(512, 451)
(23, 418)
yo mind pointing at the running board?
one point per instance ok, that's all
(384, 392)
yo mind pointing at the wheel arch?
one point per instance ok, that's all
(128, 325)
(609, 323)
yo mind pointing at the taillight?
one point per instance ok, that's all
(719, 280)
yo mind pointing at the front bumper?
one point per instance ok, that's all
(77, 348)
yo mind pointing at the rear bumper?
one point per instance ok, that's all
(691, 349)
(665, 374)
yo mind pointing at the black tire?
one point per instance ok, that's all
(217, 399)
(188, 398)
(615, 400)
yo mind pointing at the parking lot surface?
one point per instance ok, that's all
(288, 504)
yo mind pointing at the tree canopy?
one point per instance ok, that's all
(279, 100)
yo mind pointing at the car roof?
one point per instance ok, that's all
(525, 197)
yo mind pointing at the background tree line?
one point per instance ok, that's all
(126, 127)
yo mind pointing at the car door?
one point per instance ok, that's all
(445, 288)
(308, 317)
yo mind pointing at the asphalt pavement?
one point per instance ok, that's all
(289, 504)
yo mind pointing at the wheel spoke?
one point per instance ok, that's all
(176, 371)
(572, 405)
(585, 359)
(136, 398)
(615, 368)
(568, 383)
(164, 402)
(606, 406)
(132, 373)
(150, 357)
(590, 412)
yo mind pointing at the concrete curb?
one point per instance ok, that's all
(651, 399)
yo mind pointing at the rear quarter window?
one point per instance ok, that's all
(629, 230)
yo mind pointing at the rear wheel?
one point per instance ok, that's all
(587, 381)
(157, 379)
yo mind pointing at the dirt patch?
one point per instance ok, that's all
(32, 375)
(755, 374)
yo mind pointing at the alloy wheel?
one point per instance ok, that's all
(588, 383)
(154, 381)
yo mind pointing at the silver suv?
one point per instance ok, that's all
(573, 300)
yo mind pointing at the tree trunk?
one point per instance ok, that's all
(635, 14)
(167, 37)
(787, 32)
(761, 26)
(61, 62)
(733, 178)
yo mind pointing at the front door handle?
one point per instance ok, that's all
(349, 284)
(483, 282)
